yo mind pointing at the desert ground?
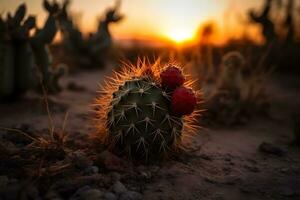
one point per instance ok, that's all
(257, 160)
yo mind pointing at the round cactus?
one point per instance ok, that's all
(137, 114)
(140, 118)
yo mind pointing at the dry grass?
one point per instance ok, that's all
(45, 154)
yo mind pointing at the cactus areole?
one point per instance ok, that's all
(139, 116)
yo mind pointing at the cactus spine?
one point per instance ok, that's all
(140, 117)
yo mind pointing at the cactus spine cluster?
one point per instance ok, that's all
(137, 114)
(23, 56)
(140, 118)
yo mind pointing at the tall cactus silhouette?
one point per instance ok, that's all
(145, 110)
(268, 28)
(24, 57)
(93, 49)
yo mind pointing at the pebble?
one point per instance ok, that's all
(284, 170)
(131, 195)
(3, 181)
(52, 195)
(154, 169)
(109, 196)
(145, 175)
(205, 157)
(115, 176)
(285, 191)
(81, 160)
(91, 170)
(110, 161)
(271, 149)
(118, 188)
(87, 193)
(252, 168)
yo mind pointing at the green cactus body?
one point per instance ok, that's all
(43, 56)
(19, 15)
(6, 69)
(47, 33)
(24, 67)
(140, 120)
(21, 54)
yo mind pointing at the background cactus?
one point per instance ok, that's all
(91, 51)
(137, 114)
(23, 56)
(237, 95)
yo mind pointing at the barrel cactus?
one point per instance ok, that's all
(136, 112)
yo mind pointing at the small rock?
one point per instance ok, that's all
(81, 160)
(91, 170)
(115, 176)
(288, 192)
(87, 193)
(93, 194)
(82, 190)
(19, 191)
(210, 180)
(252, 168)
(271, 149)
(284, 170)
(3, 181)
(145, 175)
(205, 157)
(154, 169)
(245, 190)
(109, 196)
(131, 195)
(231, 180)
(52, 195)
(110, 161)
(118, 188)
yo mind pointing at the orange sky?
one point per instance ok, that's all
(176, 20)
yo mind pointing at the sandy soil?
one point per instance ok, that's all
(221, 163)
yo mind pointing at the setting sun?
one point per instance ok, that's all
(180, 35)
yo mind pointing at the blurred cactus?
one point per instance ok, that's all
(236, 96)
(289, 22)
(224, 104)
(93, 50)
(231, 72)
(268, 28)
(22, 56)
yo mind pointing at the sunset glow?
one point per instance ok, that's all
(174, 20)
(180, 35)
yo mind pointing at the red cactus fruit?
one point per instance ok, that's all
(172, 77)
(183, 101)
